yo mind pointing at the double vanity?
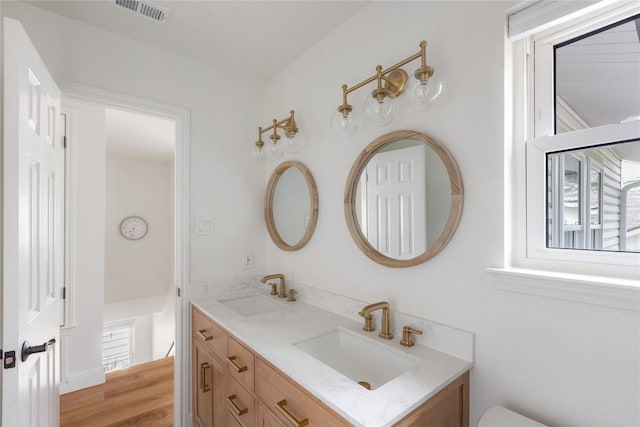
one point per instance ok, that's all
(259, 359)
(313, 358)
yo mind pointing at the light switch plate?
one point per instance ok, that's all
(203, 225)
(247, 260)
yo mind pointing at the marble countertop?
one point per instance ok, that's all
(273, 336)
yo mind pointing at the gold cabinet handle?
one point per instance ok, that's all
(280, 406)
(203, 377)
(238, 411)
(232, 361)
(204, 336)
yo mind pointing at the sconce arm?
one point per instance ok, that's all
(394, 67)
(281, 124)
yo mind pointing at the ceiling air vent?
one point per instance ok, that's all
(144, 8)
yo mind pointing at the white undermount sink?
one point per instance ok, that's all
(361, 359)
(252, 305)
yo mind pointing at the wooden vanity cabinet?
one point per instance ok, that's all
(232, 386)
(208, 377)
(240, 404)
(449, 407)
(267, 419)
(289, 402)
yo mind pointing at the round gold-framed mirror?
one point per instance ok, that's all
(291, 206)
(403, 199)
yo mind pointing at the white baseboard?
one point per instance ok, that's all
(82, 380)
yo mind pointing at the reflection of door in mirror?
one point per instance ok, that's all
(291, 206)
(395, 188)
(403, 199)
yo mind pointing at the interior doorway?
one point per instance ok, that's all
(127, 231)
(139, 310)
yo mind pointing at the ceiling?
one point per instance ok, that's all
(253, 38)
(140, 135)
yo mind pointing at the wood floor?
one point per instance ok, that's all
(138, 396)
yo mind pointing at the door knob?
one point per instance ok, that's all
(28, 350)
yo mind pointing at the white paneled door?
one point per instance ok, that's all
(395, 206)
(33, 239)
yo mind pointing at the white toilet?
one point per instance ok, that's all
(502, 417)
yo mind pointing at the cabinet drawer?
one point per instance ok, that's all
(267, 419)
(241, 407)
(241, 363)
(209, 334)
(290, 403)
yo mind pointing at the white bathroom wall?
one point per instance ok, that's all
(142, 268)
(225, 110)
(561, 362)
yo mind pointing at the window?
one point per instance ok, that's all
(584, 198)
(578, 118)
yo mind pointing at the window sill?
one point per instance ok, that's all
(606, 292)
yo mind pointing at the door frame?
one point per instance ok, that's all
(181, 117)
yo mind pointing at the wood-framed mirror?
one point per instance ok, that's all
(291, 206)
(403, 199)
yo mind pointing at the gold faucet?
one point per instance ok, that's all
(407, 337)
(368, 319)
(283, 292)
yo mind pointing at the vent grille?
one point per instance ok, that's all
(144, 8)
(129, 4)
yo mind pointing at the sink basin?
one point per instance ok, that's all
(252, 305)
(367, 362)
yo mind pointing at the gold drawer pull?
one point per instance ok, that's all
(203, 377)
(280, 406)
(232, 362)
(204, 336)
(235, 407)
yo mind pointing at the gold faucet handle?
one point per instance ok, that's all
(292, 295)
(407, 337)
(274, 288)
(368, 322)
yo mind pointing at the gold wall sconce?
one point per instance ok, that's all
(381, 106)
(277, 148)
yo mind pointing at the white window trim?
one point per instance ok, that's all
(528, 269)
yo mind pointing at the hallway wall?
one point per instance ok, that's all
(139, 268)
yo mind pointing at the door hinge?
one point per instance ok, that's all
(9, 359)
(64, 142)
(178, 292)
(64, 292)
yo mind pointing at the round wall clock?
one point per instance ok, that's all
(133, 228)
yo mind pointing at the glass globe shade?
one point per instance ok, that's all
(276, 150)
(380, 112)
(423, 93)
(344, 125)
(258, 152)
(291, 145)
